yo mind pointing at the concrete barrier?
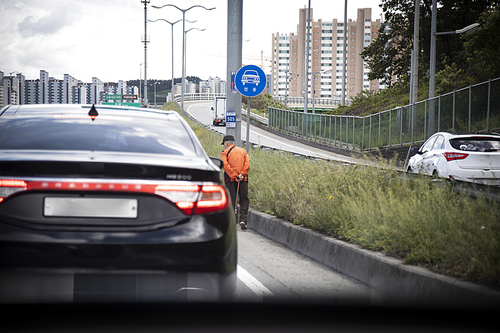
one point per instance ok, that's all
(385, 274)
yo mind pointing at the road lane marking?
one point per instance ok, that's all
(251, 282)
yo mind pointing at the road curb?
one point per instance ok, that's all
(385, 274)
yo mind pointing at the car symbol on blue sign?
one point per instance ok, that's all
(250, 80)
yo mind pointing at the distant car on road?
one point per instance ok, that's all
(111, 203)
(250, 77)
(470, 158)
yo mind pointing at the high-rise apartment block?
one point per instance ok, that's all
(326, 40)
(48, 90)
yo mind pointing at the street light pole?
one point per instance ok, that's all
(172, 31)
(306, 75)
(140, 84)
(155, 91)
(145, 2)
(326, 71)
(183, 44)
(344, 61)
(185, 60)
(432, 63)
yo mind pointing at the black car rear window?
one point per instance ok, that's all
(476, 144)
(117, 134)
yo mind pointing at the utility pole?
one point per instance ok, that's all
(306, 78)
(145, 41)
(234, 54)
(344, 65)
(414, 65)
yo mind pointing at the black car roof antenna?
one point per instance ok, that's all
(93, 112)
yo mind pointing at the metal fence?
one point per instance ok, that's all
(300, 100)
(197, 97)
(475, 109)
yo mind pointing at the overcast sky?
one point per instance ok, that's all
(102, 38)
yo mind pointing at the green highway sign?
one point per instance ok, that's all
(113, 97)
(137, 105)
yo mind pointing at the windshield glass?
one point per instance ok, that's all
(118, 134)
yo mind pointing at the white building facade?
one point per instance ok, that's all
(326, 40)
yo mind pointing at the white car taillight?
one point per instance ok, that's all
(455, 156)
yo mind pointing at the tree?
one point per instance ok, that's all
(482, 48)
(389, 56)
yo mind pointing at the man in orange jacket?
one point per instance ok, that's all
(236, 167)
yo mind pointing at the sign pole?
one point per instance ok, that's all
(234, 50)
(248, 124)
(250, 81)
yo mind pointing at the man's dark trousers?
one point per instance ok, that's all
(242, 198)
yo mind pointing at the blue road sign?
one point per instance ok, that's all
(231, 119)
(250, 80)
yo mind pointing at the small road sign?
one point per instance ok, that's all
(230, 119)
(250, 80)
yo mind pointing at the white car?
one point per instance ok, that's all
(471, 158)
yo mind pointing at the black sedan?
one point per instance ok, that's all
(110, 203)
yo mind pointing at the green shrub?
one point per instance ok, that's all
(421, 221)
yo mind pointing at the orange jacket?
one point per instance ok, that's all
(237, 163)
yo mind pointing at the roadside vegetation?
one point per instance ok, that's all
(420, 221)
(261, 103)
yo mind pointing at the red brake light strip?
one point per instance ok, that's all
(206, 198)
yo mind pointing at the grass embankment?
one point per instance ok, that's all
(416, 221)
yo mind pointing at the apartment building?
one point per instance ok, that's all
(11, 89)
(326, 40)
(48, 90)
(214, 85)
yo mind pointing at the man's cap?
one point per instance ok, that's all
(227, 138)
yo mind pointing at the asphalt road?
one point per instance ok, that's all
(268, 271)
(202, 112)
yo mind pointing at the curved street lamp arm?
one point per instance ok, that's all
(194, 29)
(171, 22)
(183, 10)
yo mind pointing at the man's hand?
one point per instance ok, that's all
(240, 177)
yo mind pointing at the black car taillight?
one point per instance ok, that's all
(191, 199)
(11, 186)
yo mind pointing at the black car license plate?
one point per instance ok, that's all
(90, 207)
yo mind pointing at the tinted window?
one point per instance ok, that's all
(120, 134)
(476, 144)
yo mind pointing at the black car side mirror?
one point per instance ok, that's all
(218, 162)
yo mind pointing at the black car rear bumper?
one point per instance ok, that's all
(197, 257)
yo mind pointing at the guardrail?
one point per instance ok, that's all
(198, 97)
(472, 109)
(300, 100)
(211, 97)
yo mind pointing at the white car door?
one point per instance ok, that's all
(431, 159)
(423, 155)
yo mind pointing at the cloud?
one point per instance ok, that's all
(51, 24)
